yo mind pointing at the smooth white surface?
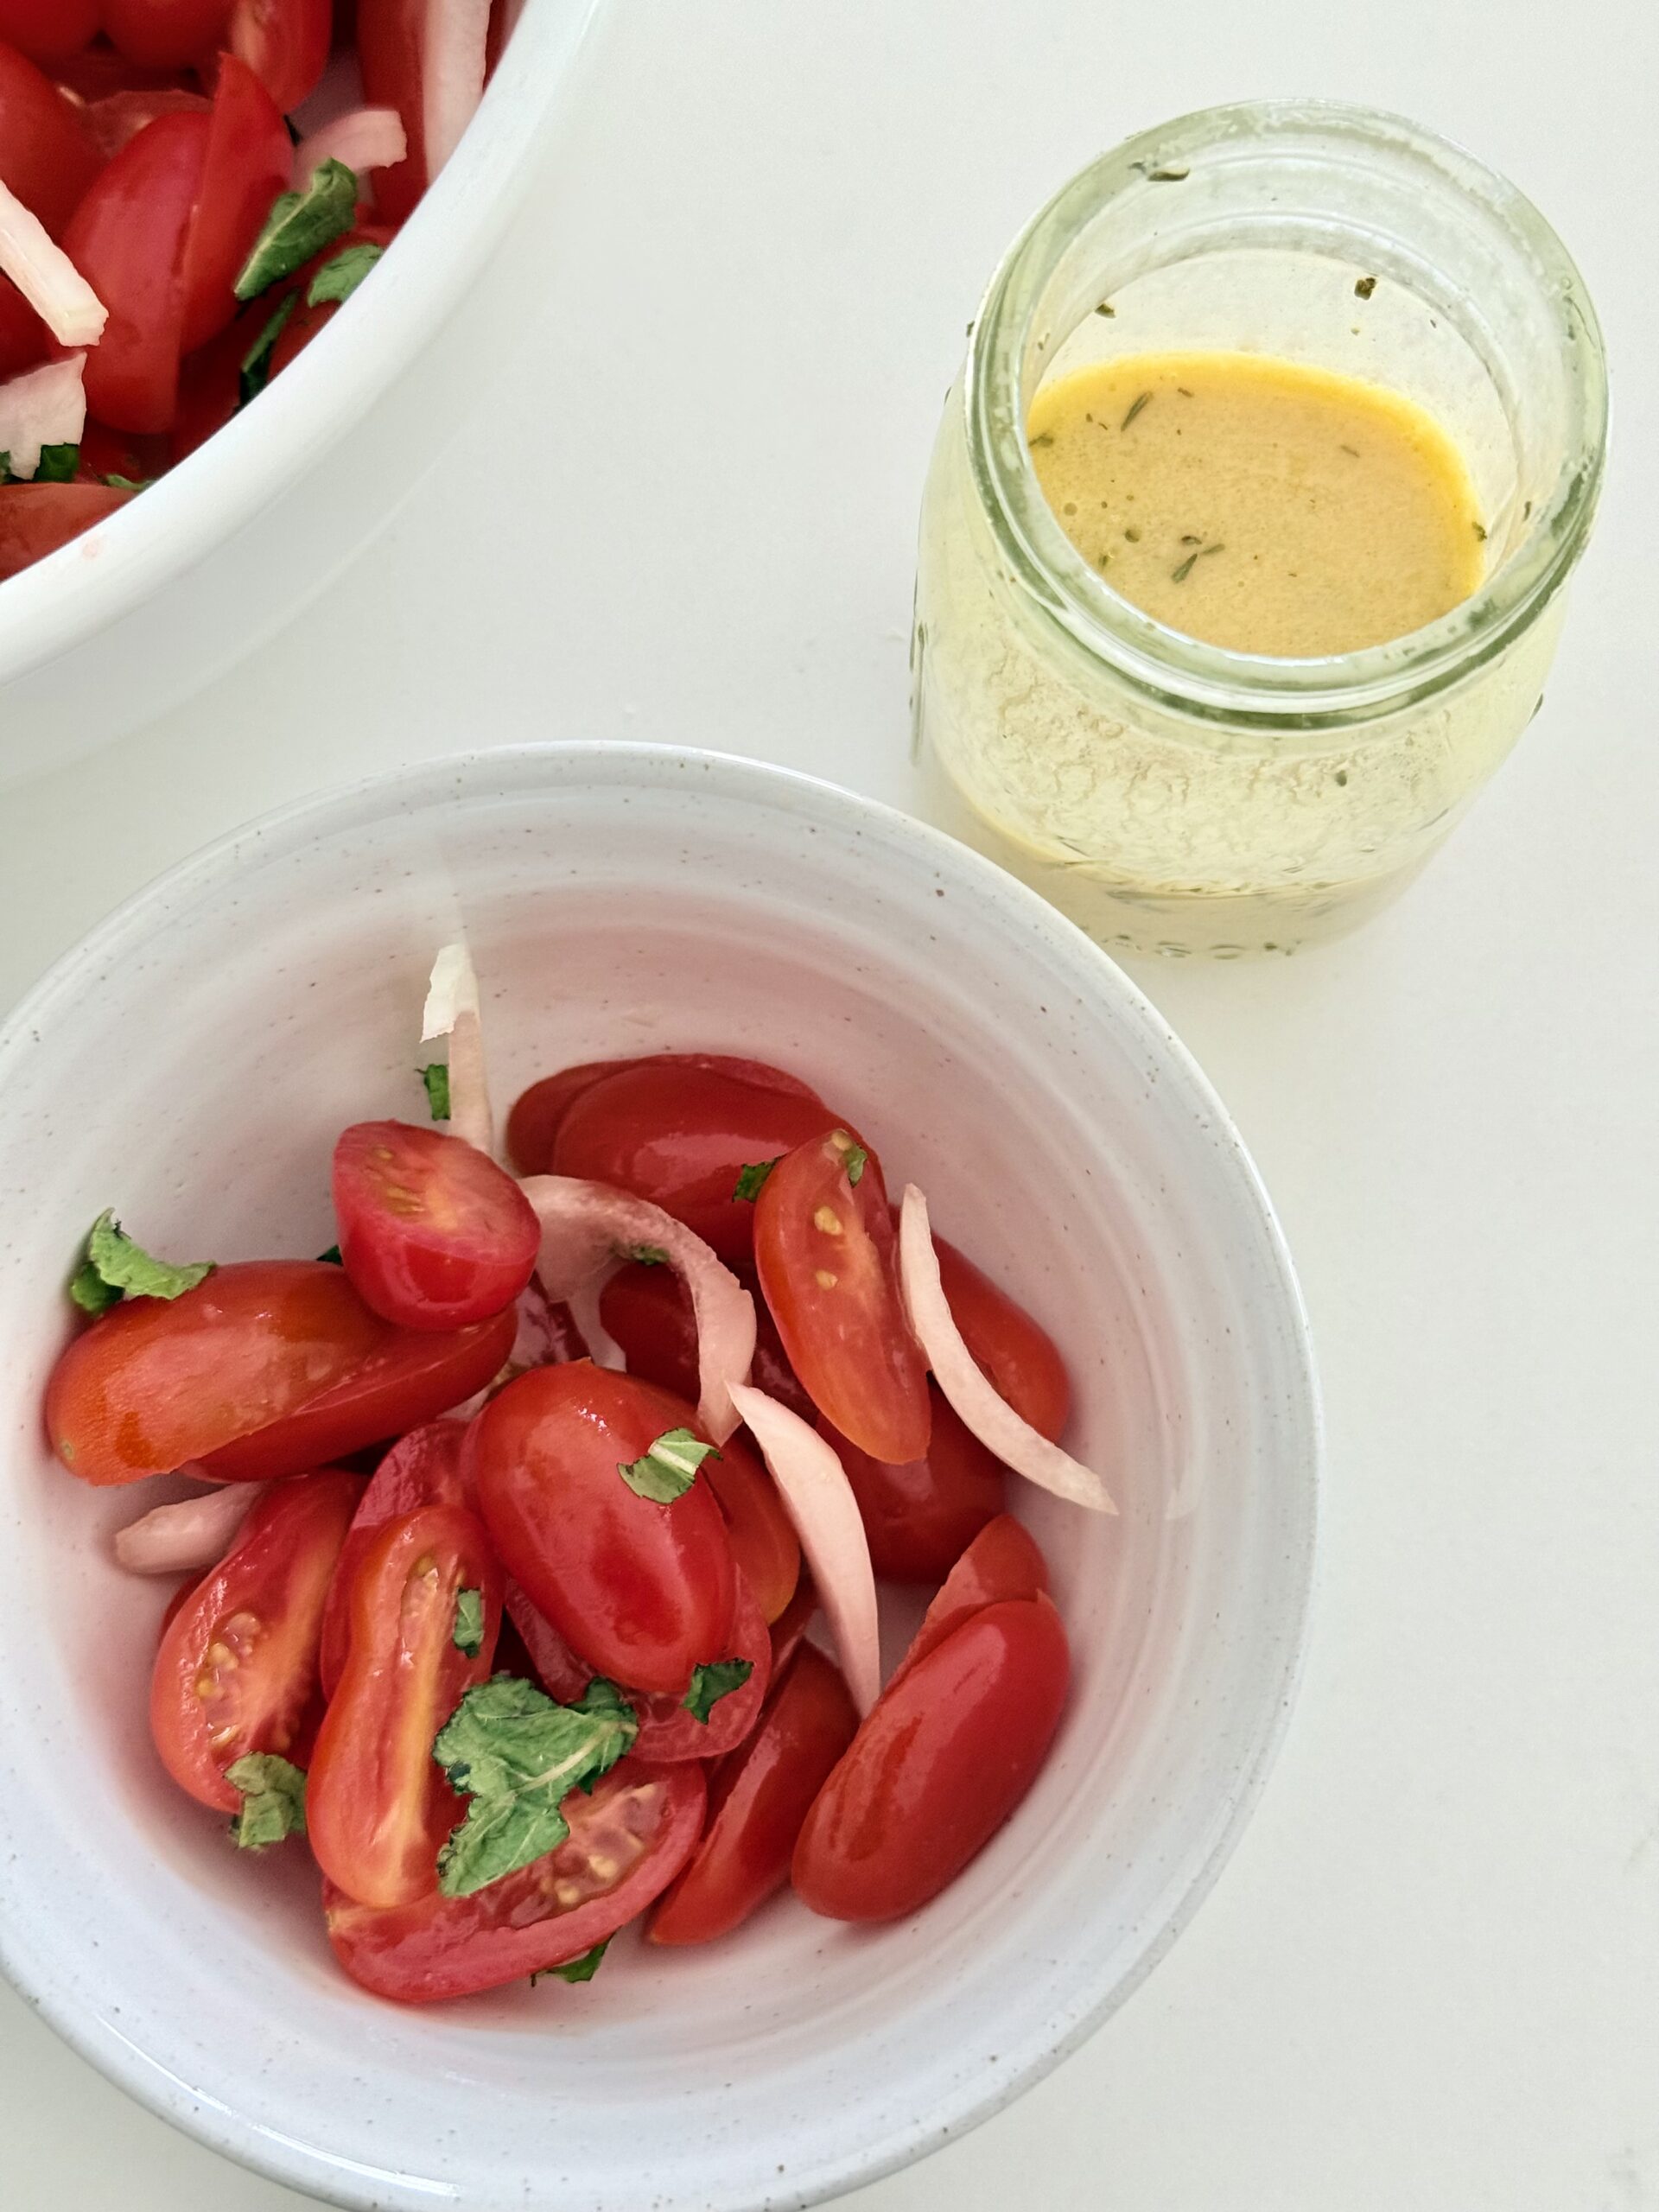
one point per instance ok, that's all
(1428, 1977)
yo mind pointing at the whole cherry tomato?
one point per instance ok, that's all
(36, 519)
(627, 1841)
(536, 1118)
(643, 1591)
(249, 157)
(378, 1807)
(48, 31)
(235, 1671)
(286, 44)
(1002, 1561)
(938, 1766)
(824, 1246)
(1017, 1356)
(163, 34)
(433, 1233)
(48, 155)
(920, 1517)
(649, 1312)
(423, 1468)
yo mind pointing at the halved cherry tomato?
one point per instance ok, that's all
(249, 157)
(681, 1136)
(433, 1233)
(757, 1802)
(377, 1807)
(235, 1671)
(824, 1246)
(48, 31)
(413, 1377)
(1020, 1357)
(920, 1517)
(25, 341)
(538, 1115)
(642, 1591)
(126, 237)
(119, 117)
(1002, 1561)
(390, 35)
(649, 1312)
(423, 1468)
(938, 1767)
(163, 34)
(48, 156)
(118, 452)
(627, 1841)
(766, 1550)
(176, 1602)
(286, 44)
(36, 519)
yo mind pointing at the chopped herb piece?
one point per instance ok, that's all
(1180, 575)
(469, 1622)
(1106, 308)
(1042, 438)
(518, 1756)
(6, 476)
(115, 1267)
(1142, 399)
(754, 1174)
(648, 1255)
(854, 1158)
(331, 1258)
(298, 226)
(57, 464)
(273, 1800)
(129, 483)
(436, 1079)
(338, 278)
(668, 1469)
(1480, 531)
(711, 1683)
(1364, 288)
(1131, 534)
(255, 372)
(1352, 449)
(1191, 537)
(581, 1969)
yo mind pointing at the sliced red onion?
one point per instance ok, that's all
(453, 52)
(980, 1407)
(194, 1533)
(364, 138)
(819, 1498)
(47, 277)
(584, 1308)
(43, 407)
(451, 1011)
(587, 1228)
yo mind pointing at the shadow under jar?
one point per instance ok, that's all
(1178, 797)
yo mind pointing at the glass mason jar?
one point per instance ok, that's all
(1177, 796)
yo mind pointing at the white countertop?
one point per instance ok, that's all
(1430, 1977)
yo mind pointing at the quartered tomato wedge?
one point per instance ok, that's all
(648, 1311)
(1018, 1356)
(249, 157)
(824, 1246)
(235, 1671)
(536, 1118)
(378, 1809)
(627, 1841)
(757, 1802)
(1002, 1561)
(920, 1517)
(163, 34)
(433, 1233)
(643, 1590)
(423, 1468)
(48, 155)
(36, 519)
(938, 1766)
(284, 42)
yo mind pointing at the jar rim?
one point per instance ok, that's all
(1190, 674)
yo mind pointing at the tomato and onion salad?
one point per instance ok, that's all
(688, 1720)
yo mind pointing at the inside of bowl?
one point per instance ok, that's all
(192, 1068)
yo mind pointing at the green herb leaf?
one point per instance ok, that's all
(469, 1622)
(436, 1079)
(581, 1969)
(648, 1255)
(518, 1756)
(57, 464)
(1141, 399)
(6, 476)
(298, 226)
(854, 1158)
(338, 278)
(1364, 286)
(668, 1469)
(129, 483)
(331, 1258)
(255, 373)
(752, 1177)
(115, 1267)
(273, 1800)
(711, 1683)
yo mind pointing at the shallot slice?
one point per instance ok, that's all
(454, 51)
(451, 1011)
(820, 1502)
(587, 1227)
(972, 1395)
(364, 138)
(47, 277)
(43, 407)
(192, 1534)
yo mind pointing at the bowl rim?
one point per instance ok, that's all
(498, 772)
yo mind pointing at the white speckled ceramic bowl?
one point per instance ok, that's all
(191, 1063)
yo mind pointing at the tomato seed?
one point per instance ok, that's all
(827, 1220)
(823, 1279)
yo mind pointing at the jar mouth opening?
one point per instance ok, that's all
(1181, 671)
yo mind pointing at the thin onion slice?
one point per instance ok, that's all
(980, 1407)
(364, 138)
(43, 407)
(584, 1305)
(192, 1534)
(453, 52)
(452, 1011)
(47, 277)
(820, 1502)
(587, 1227)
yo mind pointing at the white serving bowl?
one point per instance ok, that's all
(221, 552)
(191, 1063)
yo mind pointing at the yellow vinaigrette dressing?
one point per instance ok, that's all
(1256, 503)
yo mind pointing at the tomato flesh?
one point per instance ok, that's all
(538, 1115)
(433, 1233)
(390, 34)
(48, 155)
(648, 1311)
(236, 1670)
(920, 1517)
(163, 34)
(249, 157)
(764, 1547)
(758, 1802)
(423, 1468)
(35, 519)
(938, 1767)
(642, 1591)
(825, 1249)
(1002, 1561)
(48, 31)
(378, 1809)
(1020, 1357)
(627, 1841)
(286, 44)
